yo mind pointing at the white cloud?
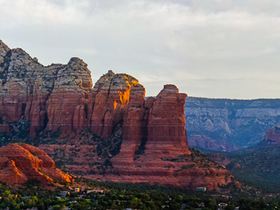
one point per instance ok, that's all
(203, 46)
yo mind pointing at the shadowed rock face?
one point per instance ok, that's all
(158, 126)
(22, 162)
(273, 134)
(108, 130)
(60, 97)
(161, 154)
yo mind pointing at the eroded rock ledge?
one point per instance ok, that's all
(22, 162)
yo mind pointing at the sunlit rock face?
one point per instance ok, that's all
(22, 162)
(158, 124)
(161, 155)
(134, 127)
(109, 132)
(111, 94)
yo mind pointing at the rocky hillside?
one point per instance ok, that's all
(257, 165)
(109, 132)
(227, 125)
(22, 162)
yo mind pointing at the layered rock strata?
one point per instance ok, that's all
(157, 124)
(46, 96)
(22, 162)
(108, 131)
(111, 96)
(165, 156)
(229, 124)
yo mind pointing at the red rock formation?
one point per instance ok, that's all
(273, 134)
(134, 127)
(43, 95)
(66, 103)
(111, 94)
(61, 109)
(36, 113)
(21, 162)
(79, 159)
(166, 126)
(188, 174)
(160, 161)
(58, 98)
(12, 108)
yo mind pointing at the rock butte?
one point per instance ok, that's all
(22, 162)
(109, 129)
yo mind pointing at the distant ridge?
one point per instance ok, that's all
(229, 124)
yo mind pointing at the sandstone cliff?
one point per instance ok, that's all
(47, 97)
(163, 154)
(108, 132)
(22, 162)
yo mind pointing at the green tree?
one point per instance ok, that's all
(145, 197)
(6, 193)
(211, 203)
(134, 202)
(230, 207)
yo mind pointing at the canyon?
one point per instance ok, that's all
(229, 124)
(273, 135)
(109, 132)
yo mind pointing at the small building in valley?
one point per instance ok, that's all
(200, 189)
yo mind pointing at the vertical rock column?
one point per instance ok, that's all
(166, 127)
(111, 94)
(133, 127)
(159, 124)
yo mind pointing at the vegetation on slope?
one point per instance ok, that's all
(120, 196)
(260, 168)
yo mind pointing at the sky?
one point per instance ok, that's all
(207, 48)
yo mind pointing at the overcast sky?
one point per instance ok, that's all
(208, 48)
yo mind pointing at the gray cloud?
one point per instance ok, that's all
(217, 48)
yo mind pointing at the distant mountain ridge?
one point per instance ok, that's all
(229, 124)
